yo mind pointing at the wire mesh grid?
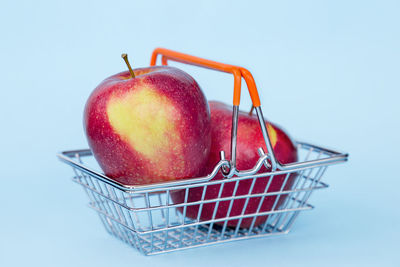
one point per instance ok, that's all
(169, 218)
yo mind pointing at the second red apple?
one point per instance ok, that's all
(249, 139)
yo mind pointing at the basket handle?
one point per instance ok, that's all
(238, 73)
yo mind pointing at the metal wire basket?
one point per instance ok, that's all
(150, 219)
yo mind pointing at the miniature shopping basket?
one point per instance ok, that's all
(147, 217)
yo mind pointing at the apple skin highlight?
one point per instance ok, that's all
(152, 128)
(249, 138)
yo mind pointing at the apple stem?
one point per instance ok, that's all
(251, 110)
(125, 57)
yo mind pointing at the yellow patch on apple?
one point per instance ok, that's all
(146, 120)
(273, 136)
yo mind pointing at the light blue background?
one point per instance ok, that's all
(328, 71)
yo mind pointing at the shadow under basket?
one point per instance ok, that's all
(147, 218)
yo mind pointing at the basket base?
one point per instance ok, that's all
(189, 236)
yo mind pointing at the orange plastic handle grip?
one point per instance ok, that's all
(238, 72)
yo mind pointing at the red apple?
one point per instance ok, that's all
(249, 139)
(151, 128)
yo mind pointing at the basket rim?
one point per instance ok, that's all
(71, 157)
